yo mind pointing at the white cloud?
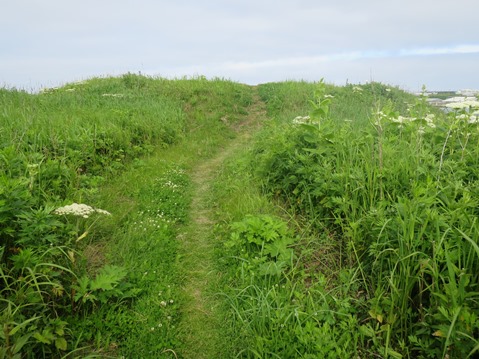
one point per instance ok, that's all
(349, 56)
(246, 40)
(451, 50)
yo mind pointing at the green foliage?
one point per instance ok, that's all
(108, 284)
(263, 244)
(395, 188)
(385, 202)
(58, 147)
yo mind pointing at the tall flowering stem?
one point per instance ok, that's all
(80, 210)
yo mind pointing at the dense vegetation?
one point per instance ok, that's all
(348, 228)
(384, 192)
(73, 276)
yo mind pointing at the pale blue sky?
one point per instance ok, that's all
(406, 43)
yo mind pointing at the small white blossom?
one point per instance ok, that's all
(430, 120)
(400, 119)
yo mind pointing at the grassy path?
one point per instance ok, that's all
(201, 321)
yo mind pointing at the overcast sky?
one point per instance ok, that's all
(406, 43)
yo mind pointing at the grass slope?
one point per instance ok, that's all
(236, 228)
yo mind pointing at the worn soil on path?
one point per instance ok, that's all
(200, 321)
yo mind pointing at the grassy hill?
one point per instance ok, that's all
(150, 218)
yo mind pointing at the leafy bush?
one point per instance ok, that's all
(396, 190)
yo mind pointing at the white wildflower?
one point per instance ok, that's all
(357, 89)
(400, 119)
(163, 303)
(456, 105)
(473, 119)
(80, 210)
(430, 120)
(472, 103)
(113, 95)
(301, 119)
(379, 116)
(463, 105)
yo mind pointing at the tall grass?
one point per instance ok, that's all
(69, 281)
(397, 195)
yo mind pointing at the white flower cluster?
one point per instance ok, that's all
(113, 95)
(80, 210)
(463, 105)
(401, 120)
(357, 89)
(301, 119)
(158, 220)
(472, 119)
(170, 184)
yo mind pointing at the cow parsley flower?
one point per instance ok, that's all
(79, 210)
(463, 105)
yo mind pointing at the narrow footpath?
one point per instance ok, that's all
(199, 330)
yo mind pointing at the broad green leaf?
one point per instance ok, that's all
(22, 325)
(394, 353)
(41, 338)
(61, 343)
(20, 342)
(367, 331)
(108, 278)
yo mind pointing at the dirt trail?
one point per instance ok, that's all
(199, 329)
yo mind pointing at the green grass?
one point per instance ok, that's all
(380, 190)
(352, 234)
(124, 153)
